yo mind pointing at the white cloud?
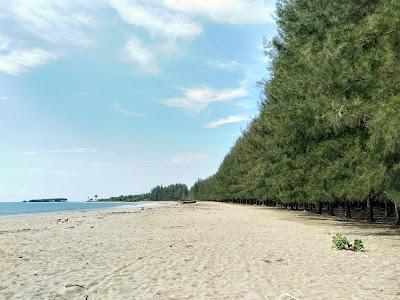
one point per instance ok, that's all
(144, 57)
(167, 22)
(228, 66)
(156, 18)
(4, 98)
(4, 44)
(121, 110)
(148, 57)
(74, 150)
(228, 120)
(185, 158)
(56, 21)
(165, 27)
(226, 11)
(19, 61)
(198, 98)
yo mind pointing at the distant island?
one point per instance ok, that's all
(49, 200)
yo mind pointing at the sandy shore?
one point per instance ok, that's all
(196, 251)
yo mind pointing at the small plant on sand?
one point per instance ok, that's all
(358, 245)
(340, 242)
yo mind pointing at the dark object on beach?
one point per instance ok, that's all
(76, 285)
(188, 201)
(50, 200)
(25, 201)
(62, 220)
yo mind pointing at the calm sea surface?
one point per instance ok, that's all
(21, 208)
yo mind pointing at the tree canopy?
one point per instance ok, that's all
(173, 192)
(328, 130)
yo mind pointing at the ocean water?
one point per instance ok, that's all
(22, 208)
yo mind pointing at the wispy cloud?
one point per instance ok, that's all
(74, 150)
(185, 158)
(165, 27)
(226, 11)
(123, 111)
(228, 120)
(156, 18)
(198, 98)
(20, 61)
(52, 21)
(72, 22)
(56, 21)
(4, 44)
(220, 65)
(143, 57)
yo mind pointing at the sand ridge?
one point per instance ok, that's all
(197, 251)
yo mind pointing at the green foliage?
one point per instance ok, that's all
(394, 196)
(128, 198)
(358, 245)
(328, 128)
(340, 241)
(173, 192)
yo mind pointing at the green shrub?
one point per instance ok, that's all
(358, 245)
(340, 242)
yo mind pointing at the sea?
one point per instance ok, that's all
(8, 209)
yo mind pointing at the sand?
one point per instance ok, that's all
(194, 251)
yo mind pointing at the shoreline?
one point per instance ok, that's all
(205, 250)
(123, 205)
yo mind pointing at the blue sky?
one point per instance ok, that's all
(113, 97)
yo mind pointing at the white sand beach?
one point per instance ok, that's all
(196, 251)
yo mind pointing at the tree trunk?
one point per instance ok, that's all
(388, 209)
(319, 208)
(297, 206)
(397, 211)
(330, 208)
(347, 206)
(370, 210)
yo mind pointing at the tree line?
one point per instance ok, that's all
(127, 198)
(173, 192)
(328, 130)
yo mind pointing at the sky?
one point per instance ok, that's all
(114, 97)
